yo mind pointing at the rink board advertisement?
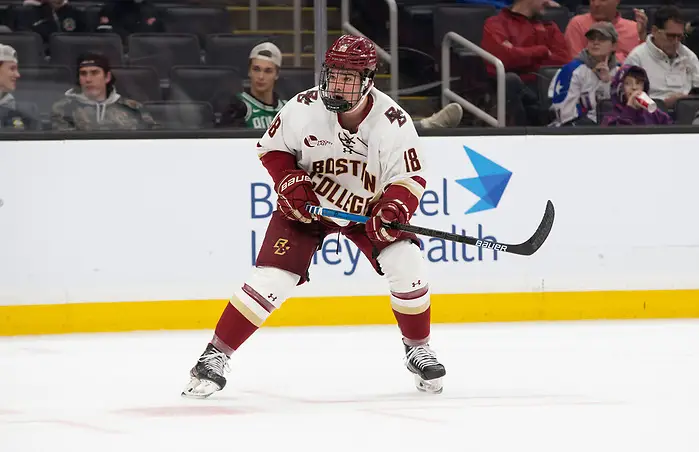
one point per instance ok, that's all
(150, 234)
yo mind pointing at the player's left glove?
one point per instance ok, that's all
(386, 211)
(294, 191)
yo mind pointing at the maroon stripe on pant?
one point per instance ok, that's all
(262, 301)
(411, 295)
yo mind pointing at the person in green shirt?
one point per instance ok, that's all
(255, 107)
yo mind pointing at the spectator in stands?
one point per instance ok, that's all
(628, 83)
(673, 69)
(95, 104)
(255, 107)
(524, 43)
(10, 117)
(125, 17)
(50, 16)
(581, 84)
(631, 33)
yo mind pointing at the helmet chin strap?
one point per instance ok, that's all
(361, 100)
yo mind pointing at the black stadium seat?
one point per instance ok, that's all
(466, 21)
(138, 83)
(686, 109)
(92, 16)
(604, 107)
(66, 47)
(181, 115)
(4, 17)
(543, 81)
(29, 47)
(294, 80)
(162, 51)
(197, 20)
(560, 15)
(203, 83)
(227, 49)
(44, 85)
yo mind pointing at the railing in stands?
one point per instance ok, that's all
(254, 26)
(448, 94)
(392, 58)
(297, 33)
(253, 15)
(320, 42)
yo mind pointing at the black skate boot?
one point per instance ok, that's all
(422, 361)
(207, 374)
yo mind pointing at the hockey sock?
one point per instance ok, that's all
(412, 312)
(244, 314)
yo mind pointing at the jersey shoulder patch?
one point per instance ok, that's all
(307, 97)
(395, 115)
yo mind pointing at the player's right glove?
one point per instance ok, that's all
(294, 191)
(385, 211)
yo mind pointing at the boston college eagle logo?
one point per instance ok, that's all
(281, 246)
(310, 141)
(396, 114)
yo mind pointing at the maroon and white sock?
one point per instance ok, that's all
(246, 311)
(412, 312)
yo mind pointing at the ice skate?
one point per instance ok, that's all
(422, 361)
(207, 374)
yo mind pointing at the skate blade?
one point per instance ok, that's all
(429, 386)
(200, 389)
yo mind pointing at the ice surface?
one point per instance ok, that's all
(558, 387)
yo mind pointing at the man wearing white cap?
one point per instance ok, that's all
(256, 107)
(10, 117)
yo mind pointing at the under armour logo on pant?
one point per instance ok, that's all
(415, 284)
(272, 297)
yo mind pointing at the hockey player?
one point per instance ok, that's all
(345, 145)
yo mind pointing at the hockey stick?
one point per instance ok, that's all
(524, 249)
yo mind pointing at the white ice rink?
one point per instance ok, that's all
(556, 387)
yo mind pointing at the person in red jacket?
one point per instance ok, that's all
(524, 43)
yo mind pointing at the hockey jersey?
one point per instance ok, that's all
(349, 170)
(245, 110)
(576, 90)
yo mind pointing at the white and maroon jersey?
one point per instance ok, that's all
(350, 170)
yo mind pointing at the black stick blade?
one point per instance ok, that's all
(542, 232)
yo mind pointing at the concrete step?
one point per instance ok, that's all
(279, 17)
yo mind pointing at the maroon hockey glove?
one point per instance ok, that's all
(294, 191)
(386, 211)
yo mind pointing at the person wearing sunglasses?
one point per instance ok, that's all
(672, 68)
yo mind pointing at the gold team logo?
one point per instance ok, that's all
(281, 247)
